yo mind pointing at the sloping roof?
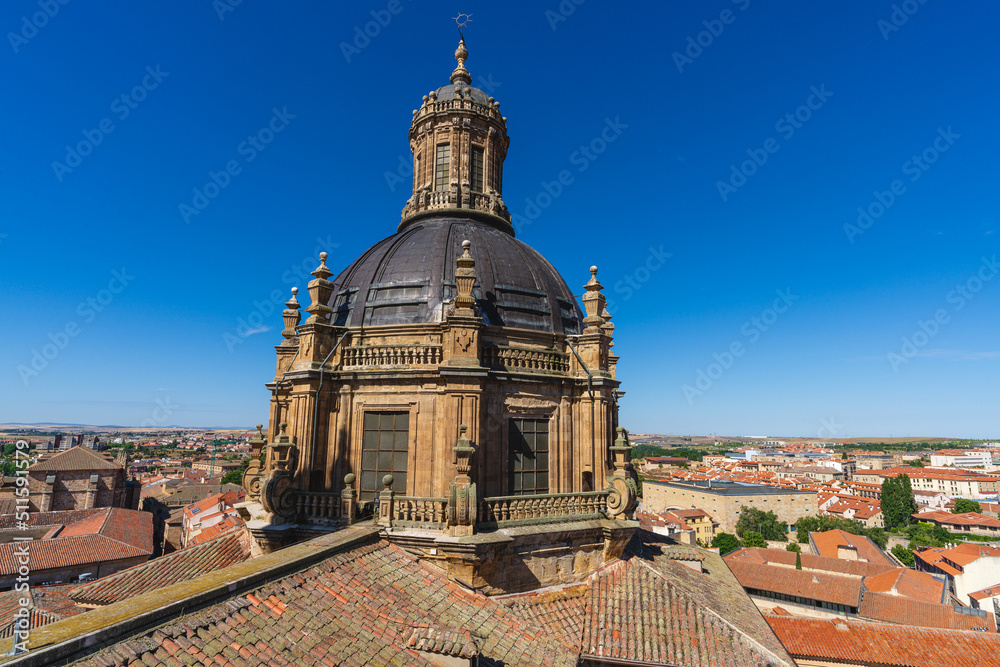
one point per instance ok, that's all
(833, 588)
(894, 609)
(781, 557)
(87, 536)
(648, 607)
(908, 583)
(828, 541)
(561, 611)
(990, 592)
(885, 644)
(178, 566)
(971, 519)
(358, 607)
(47, 604)
(228, 523)
(74, 458)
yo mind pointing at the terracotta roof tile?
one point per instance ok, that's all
(827, 543)
(908, 583)
(179, 566)
(894, 609)
(813, 585)
(885, 644)
(88, 536)
(358, 607)
(48, 604)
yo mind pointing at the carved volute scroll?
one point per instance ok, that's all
(278, 494)
(622, 490)
(253, 476)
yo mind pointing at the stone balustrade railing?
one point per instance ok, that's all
(365, 356)
(525, 359)
(317, 507)
(413, 512)
(542, 508)
(438, 106)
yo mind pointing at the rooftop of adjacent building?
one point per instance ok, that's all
(862, 642)
(727, 488)
(351, 596)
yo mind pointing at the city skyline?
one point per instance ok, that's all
(795, 236)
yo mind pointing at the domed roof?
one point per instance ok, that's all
(408, 278)
(450, 91)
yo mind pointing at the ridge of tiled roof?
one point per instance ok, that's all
(885, 644)
(74, 458)
(178, 566)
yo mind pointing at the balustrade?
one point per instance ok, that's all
(391, 355)
(526, 359)
(513, 510)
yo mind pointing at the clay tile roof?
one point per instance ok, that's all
(75, 458)
(561, 611)
(454, 642)
(786, 559)
(894, 609)
(990, 592)
(179, 566)
(227, 524)
(908, 583)
(822, 586)
(828, 541)
(47, 604)
(885, 644)
(360, 606)
(88, 536)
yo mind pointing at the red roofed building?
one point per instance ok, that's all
(987, 599)
(973, 523)
(841, 544)
(969, 567)
(209, 512)
(74, 545)
(861, 644)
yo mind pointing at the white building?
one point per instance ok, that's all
(965, 460)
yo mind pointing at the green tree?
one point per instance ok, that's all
(793, 546)
(904, 555)
(764, 523)
(963, 505)
(798, 560)
(752, 538)
(898, 504)
(725, 542)
(233, 477)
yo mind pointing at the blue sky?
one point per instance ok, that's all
(746, 137)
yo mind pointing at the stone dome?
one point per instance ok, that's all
(409, 278)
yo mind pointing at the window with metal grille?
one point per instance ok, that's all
(384, 450)
(529, 456)
(441, 166)
(476, 169)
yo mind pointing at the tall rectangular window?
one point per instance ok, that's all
(528, 465)
(442, 163)
(384, 451)
(476, 169)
